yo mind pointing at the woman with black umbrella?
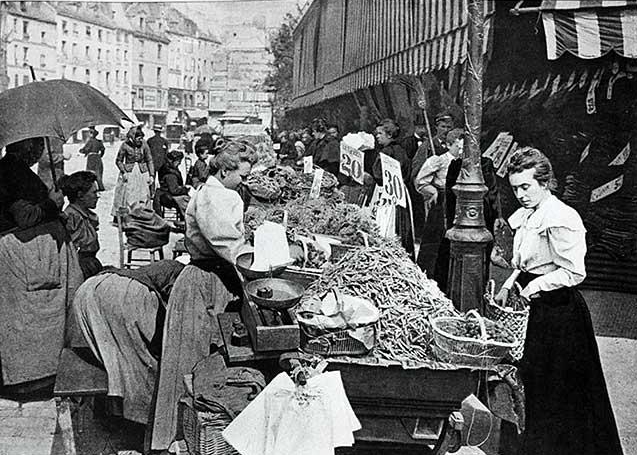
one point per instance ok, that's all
(40, 270)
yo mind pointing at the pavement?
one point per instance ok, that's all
(29, 426)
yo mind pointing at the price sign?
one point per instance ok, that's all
(607, 189)
(315, 191)
(393, 185)
(276, 146)
(622, 157)
(308, 164)
(351, 163)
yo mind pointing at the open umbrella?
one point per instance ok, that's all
(55, 108)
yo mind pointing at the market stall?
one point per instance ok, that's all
(330, 289)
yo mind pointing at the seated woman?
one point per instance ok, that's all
(40, 270)
(199, 171)
(81, 222)
(214, 237)
(121, 315)
(172, 192)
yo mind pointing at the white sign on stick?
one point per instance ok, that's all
(308, 164)
(393, 184)
(315, 191)
(607, 189)
(502, 170)
(351, 163)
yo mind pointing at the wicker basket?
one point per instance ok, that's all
(334, 343)
(468, 351)
(202, 431)
(513, 318)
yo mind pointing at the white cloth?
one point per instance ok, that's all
(549, 241)
(433, 173)
(276, 423)
(214, 222)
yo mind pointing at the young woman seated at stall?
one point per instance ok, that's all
(121, 315)
(172, 192)
(81, 221)
(199, 172)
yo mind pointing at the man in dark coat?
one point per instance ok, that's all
(94, 151)
(413, 142)
(158, 148)
(444, 124)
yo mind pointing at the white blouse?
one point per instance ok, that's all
(549, 241)
(214, 222)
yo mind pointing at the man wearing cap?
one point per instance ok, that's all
(444, 124)
(158, 148)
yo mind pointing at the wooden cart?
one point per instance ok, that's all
(407, 410)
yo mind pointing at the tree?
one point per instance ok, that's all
(279, 81)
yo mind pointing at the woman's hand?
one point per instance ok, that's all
(57, 197)
(124, 177)
(502, 296)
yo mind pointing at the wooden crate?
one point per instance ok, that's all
(268, 333)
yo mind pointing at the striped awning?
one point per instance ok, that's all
(343, 46)
(590, 28)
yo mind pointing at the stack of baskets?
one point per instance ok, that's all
(514, 315)
(474, 352)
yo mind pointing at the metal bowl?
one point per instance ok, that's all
(244, 262)
(285, 293)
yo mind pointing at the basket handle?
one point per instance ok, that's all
(483, 327)
(305, 250)
(365, 237)
(490, 289)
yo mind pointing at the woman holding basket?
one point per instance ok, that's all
(568, 410)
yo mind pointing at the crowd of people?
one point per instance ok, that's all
(132, 319)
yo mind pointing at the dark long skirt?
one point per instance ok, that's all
(89, 264)
(568, 410)
(94, 163)
(432, 233)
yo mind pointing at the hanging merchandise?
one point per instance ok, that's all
(607, 189)
(290, 419)
(622, 157)
(497, 151)
(502, 170)
(556, 85)
(611, 83)
(534, 90)
(570, 84)
(585, 153)
(582, 79)
(591, 105)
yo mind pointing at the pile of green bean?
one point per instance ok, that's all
(405, 297)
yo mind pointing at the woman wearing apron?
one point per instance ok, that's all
(214, 236)
(568, 410)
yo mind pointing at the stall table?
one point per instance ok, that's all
(400, 409)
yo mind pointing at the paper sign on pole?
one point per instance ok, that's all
(308, 164)
(351, 163)
(315, 191)
(393, 185)
(497, 151)
(622, 157)
(585, 152)
(607, 189)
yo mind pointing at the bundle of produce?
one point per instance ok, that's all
(329, 182)
(289, 182)
(404, 296)
(262, 187)
(313, 257)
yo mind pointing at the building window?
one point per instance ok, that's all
(75, 28)
(108, 78)
(25, 30)
(125, 55)
(99, 53)
(74, 72)
(141, 22)
(159, 52)
(141, 73)
(63, 71)
(117, 76)
(25, 79)
(25, 54)
(15, 26)
(43, 36)
(99, 35)
(108, 55)
(158, 76)
(87, 51)
(65, 27)
(16, 80)
(125, 77)
(99, 78)
(74, 50)
(15, 54)
(63, 48)
(118, 36)
(140, 93)
(141, 45)
(126, 37)
(87, 75)
(23, 7)
(88, 31)
(42, 60)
